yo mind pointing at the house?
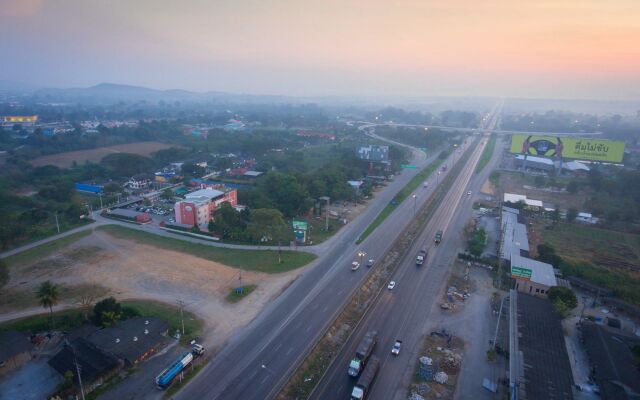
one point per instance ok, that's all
(132, 340)
(15, 350)
(95, 365)
(198, 207)
(586, 218)
(140, 181)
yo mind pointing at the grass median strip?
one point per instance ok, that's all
(251, 260)
(486, 153)
(413, 184)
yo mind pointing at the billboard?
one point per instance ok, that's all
(300, 230)
(373, 153)
(21, 118)
(568, 147)
(520, 272)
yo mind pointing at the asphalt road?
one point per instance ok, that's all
(402, 313)
(258, 361)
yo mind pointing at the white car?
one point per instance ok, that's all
(396, 347)
(355, 265)
(469, 193)
(391, 285)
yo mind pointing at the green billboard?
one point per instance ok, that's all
(520, 272)
(568, 147)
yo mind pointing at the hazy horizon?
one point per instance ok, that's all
(557, 50)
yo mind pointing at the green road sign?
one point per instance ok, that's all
(407, 166)
(519, 272)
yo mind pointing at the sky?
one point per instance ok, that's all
(543, 48)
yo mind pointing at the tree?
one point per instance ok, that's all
(167, 194)
(268, 225)
(572, 187)
(563, 299)
(48, 294)
(4, 273)
(106, 312)
(555, 215)
(546, 253)
(112, 187)
(572, 213)
(539, 181)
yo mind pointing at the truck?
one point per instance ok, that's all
(365, 348)
(438, 238)
(421, 257)
(366, 380)
(167, 376)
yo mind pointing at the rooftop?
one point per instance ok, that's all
(132, 338)
(92, 361)
(514, 198)
(13, 343)
(541, 273)
(612, 361)
(547, 372)
(123, 212)
(204, 194)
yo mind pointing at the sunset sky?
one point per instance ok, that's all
(562, 49)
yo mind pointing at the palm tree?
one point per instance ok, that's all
(47, 294)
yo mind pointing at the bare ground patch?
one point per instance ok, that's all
(128, 270)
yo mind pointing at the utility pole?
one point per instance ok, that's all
(100, 195)
(78, 369)
(181, 305)
(57, 224)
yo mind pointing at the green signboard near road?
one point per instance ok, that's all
(519, 272)
(407, 166)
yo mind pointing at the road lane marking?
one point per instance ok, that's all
(289, 351)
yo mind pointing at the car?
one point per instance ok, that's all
(469, 193)
(355, 265)
(395, 350)
(370, 263)
(425, 185)
(391, 285)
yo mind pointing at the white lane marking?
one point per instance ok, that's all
(278, 346)
(289, 351)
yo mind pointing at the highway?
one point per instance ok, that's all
(403, 313)
(258, 361)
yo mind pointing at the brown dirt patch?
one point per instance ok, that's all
(65, 160)
(130, 270)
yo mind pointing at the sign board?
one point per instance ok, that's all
(568, 147)
(300, 230)
(373, 153)
(408, 166)
(520, 272)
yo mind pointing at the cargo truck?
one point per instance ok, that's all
(421, 257)
(438, 238)
(365, 348)
(168, 375)
(366, 380)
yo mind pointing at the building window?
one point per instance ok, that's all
(530, 289)
(537, 290)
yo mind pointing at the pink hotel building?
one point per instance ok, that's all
(198, 207)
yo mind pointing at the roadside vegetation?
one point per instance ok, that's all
(45, 249)
(486, 153)
(252, 260)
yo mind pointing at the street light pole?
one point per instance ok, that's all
(57, 224)
(414, 204)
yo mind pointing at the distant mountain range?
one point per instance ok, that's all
(111, 92)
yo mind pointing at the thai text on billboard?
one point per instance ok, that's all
(568, 147)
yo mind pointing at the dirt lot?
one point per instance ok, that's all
(516, 182)
(128, 270)
(65, 160)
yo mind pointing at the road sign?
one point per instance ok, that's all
(407, 166)
(519, 272)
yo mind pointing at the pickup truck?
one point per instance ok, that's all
(421, 257)
(395, 350)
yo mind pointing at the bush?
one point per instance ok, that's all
(563, 299)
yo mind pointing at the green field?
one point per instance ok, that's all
(601, 247)
(486, 153)
(43, 250)
(400, 197)
(251, 260)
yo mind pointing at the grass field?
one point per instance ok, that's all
(486, 153)
(65, 160)
(601, 247)
(43, 250)
(69, 319)
(399, 198)
(251, 260)
(234, 297)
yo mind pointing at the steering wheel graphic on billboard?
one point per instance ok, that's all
(542, 147)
